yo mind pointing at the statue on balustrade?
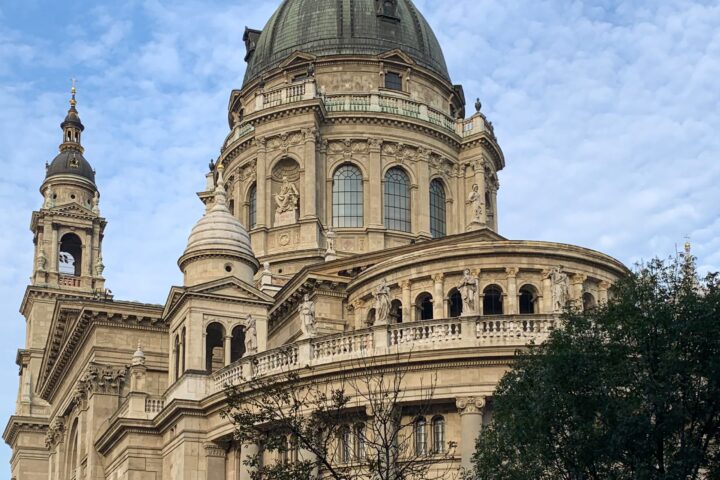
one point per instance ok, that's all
(382, 304)
(251, 342)
(468, 289)
(287, 203)
(307, 317)
(560, 288)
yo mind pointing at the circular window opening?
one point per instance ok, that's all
(228, 268)
(72, 196)
(55, 196)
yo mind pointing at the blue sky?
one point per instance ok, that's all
(608, 113)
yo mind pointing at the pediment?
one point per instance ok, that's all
(72, 209)
(297, 58)
(397, 55)
(230, 288)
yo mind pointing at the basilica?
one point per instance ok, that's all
(351, 213)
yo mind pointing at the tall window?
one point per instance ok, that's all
(527, 300)
(360, 441)
(492, 301)
(347, 197)
(438, 426)
(345, 440)
(438, 226)
(177, 357)
(70, 258)
(397, 200)
(252, 213)
(424, 306)
(421, 436)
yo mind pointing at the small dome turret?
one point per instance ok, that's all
(219, 245)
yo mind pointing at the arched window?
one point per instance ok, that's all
(252, 207)
(359, 441)
(397, 200)
(528, 299)
(347, 197)
(438, 227)
(455, 303)
(72, 455)
(177, 357)
(396, 311)
(182, 351)
(214, 347)
(421, 437)
(370, 320)
(588, 301)
(237, 345)
(70, 258)
(424, 305)
(345, 451)
(492, 300)
(438, 434)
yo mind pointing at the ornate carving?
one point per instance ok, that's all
(470, 405)
(560, 288)
(55, 433)
(251, 342)
(105, 379)
(382, 304)
(512, 271)
(468, 289)
(287, 203)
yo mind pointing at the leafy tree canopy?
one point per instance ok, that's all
(627, 390)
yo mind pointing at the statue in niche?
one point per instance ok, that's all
(96, 203)
(476, 201)
(307, 317)
(49, 197)
(42, 262)
(468, 289)
(99, 266)
(251, 343)
(330, 253)
(287, 203)
(560, 288)
(382, 304)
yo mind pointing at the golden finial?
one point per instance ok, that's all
(73, 91)
(688, 245)
(220, 167)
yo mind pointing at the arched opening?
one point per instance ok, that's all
(252, 206)
(492, 300)
(396, 311)
(348, 197)
(455, 301)
(528, 300)
(177, 357)
(420, 427)
(397, 200)
(72, 452)
(237, 344)
(424, 306)
(182, 351)
(370, 319)
(438, 434)
(214, 347)
(588, 301)
(438, 223)
(70, 258)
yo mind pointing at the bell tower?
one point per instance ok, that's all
(68, 229)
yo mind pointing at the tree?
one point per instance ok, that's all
(626, 390)
(359, 425)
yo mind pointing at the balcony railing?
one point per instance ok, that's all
(69, 281)
(467, 332)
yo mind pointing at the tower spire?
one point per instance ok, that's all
(72, 126)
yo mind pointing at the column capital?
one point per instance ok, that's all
(438, 277)
(579, 278)
(470, 405)
(604, 285)
(512, 271)
(214, 450)
(404, 284)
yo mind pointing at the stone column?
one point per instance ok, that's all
(578, 288)
(227, 349)
(512, 291)
(261, 215)
(249, 450)
(54, 252)
(215, 458)
(373, 204)
(471, 417)
(461, 221)
(547, 306)
(604, 287)
(406, 300)
(438, 296)
(309, 199)
(422, 207)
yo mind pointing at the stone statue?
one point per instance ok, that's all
(287, 204)
(42, 261)
(330, 253)
(382, 304)
(468, 289)
(476, 200)
(49, 198)
(287, 199)
(251, 343)
(307, 317)
(96, 203)
(266, 268)
(99, 266)
(560, 289)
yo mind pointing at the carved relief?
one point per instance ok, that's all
(99, 379)
(55, 433)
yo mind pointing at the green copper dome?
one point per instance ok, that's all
(345, 27)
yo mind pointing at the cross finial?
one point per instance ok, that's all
(73, 91)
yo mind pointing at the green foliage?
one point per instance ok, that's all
(627, 390)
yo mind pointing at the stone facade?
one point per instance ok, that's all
(372, 207)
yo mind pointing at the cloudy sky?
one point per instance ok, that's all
(608, 112)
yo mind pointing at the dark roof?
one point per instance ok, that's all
(71, 162)
(334, 27)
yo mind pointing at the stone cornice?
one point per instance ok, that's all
(22, 424)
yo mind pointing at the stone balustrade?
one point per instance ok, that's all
(154, 405)
(466, 332)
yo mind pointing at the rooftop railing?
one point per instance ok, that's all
(465, 332)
